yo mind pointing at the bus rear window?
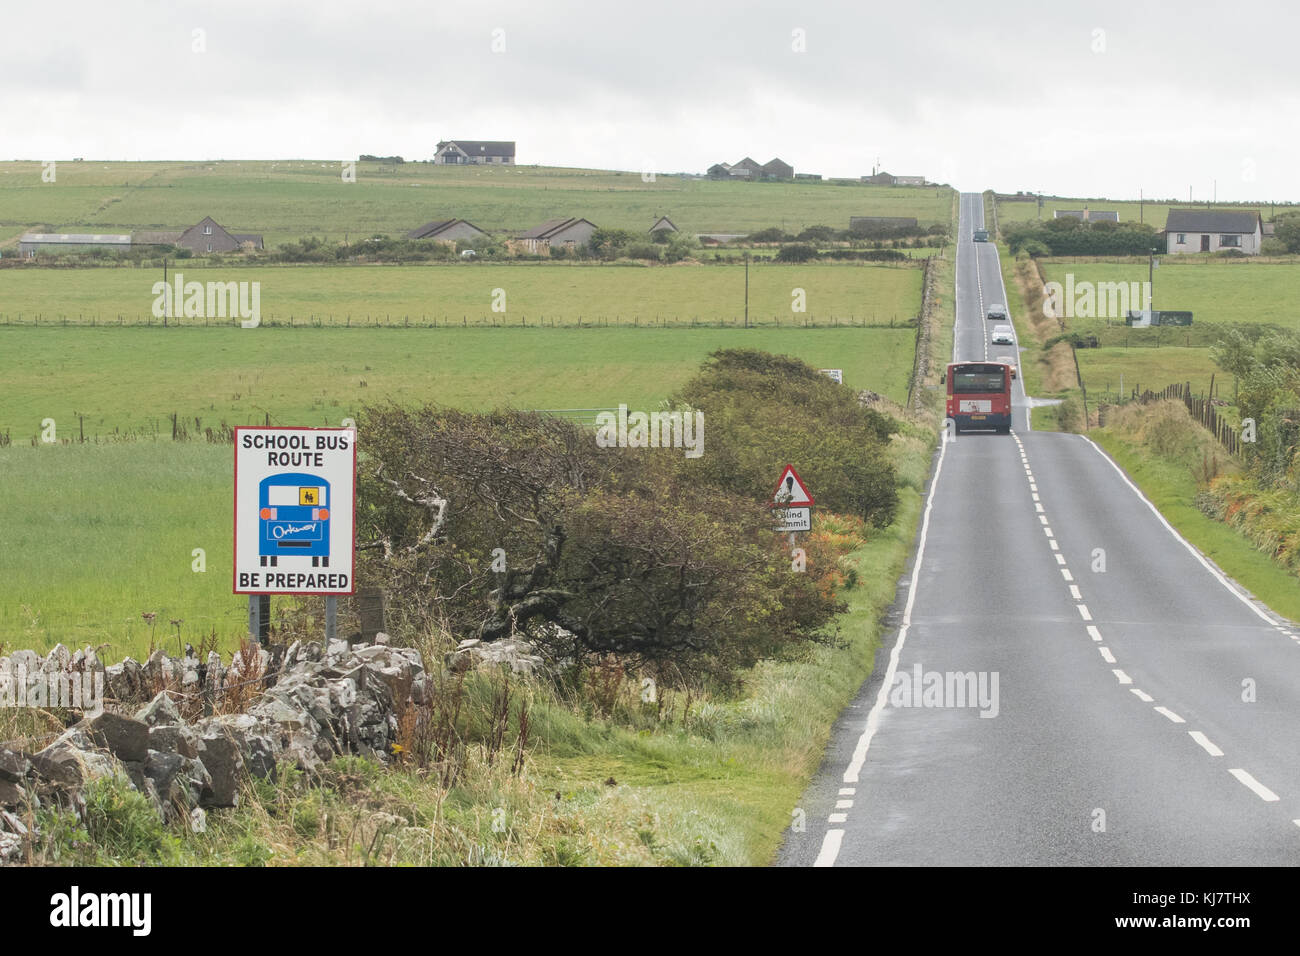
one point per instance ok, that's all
(978, 380)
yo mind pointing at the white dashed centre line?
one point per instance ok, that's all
(1170, 714)
(837, 818)
(1121, 676)
(1060, 558)
(1106, 655)
(843, 804)
(848, 791)
(1260, 790)
(1204, 741)
(1074, 592)
(1084, 612)
(1143, 696)
(1093, 632)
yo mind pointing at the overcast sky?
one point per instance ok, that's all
(1097, 99)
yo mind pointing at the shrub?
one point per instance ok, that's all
(796, 253)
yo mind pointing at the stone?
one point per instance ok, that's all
(256, 738)
(123, 737)
(222, 760)
(519, 656)
(159, 711)
(125, 681)
(11, 795)
(12, 823)
(70, 762)
(25, 661)
(178, 781)
(382, 638)
(14, 767)
(56, 660)
(174, 739)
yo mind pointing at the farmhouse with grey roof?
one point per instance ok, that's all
(447, 230)
(1205, 230)
(475, 152)
(568, 233)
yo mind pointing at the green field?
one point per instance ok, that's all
(1105, 369)
(287, 200)
(563, 294)
(96, 534)
(1214, 290)
(1152, 213)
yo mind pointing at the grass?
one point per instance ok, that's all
(704, 781)
(286, 200)
(1214, 290)
(465, 293)
(1172, 488)
(96, 534)
(1149, 369)
(132, 379)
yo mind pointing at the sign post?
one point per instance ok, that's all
(295, 517)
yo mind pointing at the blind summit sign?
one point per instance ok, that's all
(295, 515)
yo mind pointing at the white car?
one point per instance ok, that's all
(1002, 335)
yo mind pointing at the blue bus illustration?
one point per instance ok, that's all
(294, 518)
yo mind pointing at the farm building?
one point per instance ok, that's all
(751, 170)
(475, 152)
(777, 169)
(45, 242)
(663, 224)
(447, 230)
(566, 233)
(1204, 230)
(203, 237)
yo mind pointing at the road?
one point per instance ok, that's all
(1139, 708)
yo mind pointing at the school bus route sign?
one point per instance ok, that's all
(295, 510)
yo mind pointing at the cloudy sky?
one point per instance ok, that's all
(1096, 99)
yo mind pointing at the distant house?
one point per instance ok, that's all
(1204, 230)
(753, 169)
(203, 237)
(881, 178)
(810, 176)
(566, 233)
(719, 171)
(909, 180)
(474, 152)
(447, 230)
(862, 223)
(31, 243)
(663, 224)
(777, 169)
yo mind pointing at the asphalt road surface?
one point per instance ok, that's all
(1065, 681)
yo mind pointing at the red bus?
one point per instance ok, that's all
(979, 396)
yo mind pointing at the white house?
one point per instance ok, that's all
(1204, 230)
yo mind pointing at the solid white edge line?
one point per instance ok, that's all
(1218, 575)
(830, 848)
(873, 718)
(1204, 741)
(1259, 789)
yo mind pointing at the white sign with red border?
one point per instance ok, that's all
(790, 491)
(295, 510)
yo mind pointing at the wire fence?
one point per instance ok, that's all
(388, 320)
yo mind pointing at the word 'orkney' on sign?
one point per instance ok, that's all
(295, 517)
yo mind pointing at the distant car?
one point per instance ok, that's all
(1008, 360)
(980, 235)
(1002, 335)
(468, 254)
(997, 313)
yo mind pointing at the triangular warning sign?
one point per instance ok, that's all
(791, 491)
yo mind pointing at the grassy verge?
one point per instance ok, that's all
(1172, 487)
(681, 781)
